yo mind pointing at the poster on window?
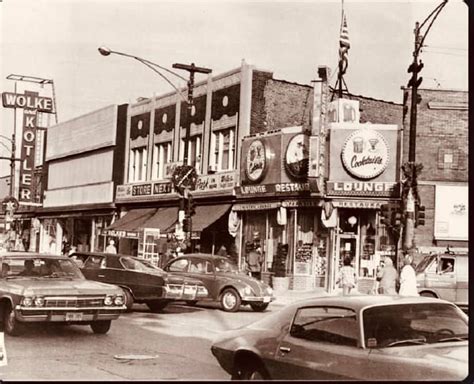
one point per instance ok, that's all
(451, 212)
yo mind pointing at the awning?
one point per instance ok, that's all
(163, 219)
(208, 214)
(133, 219)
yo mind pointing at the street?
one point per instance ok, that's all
(172, 345)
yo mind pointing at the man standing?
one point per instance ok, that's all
(111, 247)
(255, 260)
(408, 278)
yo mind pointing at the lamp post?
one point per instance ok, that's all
(184, 176)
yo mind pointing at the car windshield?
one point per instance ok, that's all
(39, 267)
(409, 324)
(224, 265)
(424, 263)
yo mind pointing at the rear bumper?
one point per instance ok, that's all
(87, 314)
(258, 299)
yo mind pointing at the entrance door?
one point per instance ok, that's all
(347, 246)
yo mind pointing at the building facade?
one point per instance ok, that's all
(442, 148)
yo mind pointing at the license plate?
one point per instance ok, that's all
(266, 299)
(73, 316)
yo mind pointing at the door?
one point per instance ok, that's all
(462, 271)
(203, 270)
(445, 284)
(323, 344)
(347, 246)
(93, 268)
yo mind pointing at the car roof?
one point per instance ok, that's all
(30, 255)
(207, 256)
(103, 254)
(358, 302)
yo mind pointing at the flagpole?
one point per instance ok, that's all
(339, 80)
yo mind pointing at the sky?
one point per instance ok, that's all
(58, 40)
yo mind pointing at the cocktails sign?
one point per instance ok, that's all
(365, 154)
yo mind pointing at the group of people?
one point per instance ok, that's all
(387, 278)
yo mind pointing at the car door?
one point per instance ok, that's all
(461, 269)
(322, 344)
(93, 268)
(446, 279)
(203, 270)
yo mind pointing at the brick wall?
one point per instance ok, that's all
(258, 117)
(440, 134)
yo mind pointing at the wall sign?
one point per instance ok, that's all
(359, 188)
(30, 100)
(297, 155)
(128, 191)
(255, 161)
(451, 212)
(277, 189)
(365, 154)
(218, 181)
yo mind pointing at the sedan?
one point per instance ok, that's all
(351, 338)
(141, 281)
(46, 288)
(223, 280)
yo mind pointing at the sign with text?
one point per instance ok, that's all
(218, 181)
(359, 188)
(128, 191)
(277, 189)
(28, 150)
(30, 100)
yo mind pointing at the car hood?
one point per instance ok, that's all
(58, 286)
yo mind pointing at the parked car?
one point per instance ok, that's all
(445, 276)
(370, 337)
(223, 280)
(141, 281)
(46, 288)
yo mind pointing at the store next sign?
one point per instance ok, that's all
(29, 100)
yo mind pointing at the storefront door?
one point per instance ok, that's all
(347, 246)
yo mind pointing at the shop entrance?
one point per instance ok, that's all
(347, 246)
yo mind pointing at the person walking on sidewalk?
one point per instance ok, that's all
(408, 278)
(347, 277)
(388, 277)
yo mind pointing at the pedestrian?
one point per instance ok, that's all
(388, 278)
(347, 277)
(254, 261)
(111, 247)
(222, 251)
(408, 278)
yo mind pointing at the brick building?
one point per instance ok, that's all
(442, 149)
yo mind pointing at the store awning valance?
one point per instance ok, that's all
(208, 214)
(164, 219)
(133, 219)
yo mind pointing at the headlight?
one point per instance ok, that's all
(109, 300)
(118, 300)
(269, 290)
(247, 291)
(27, 301)
(39, 302)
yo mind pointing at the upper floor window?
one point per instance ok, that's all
(194, 151)
(137, 163)
(222, 151)
(161, 156)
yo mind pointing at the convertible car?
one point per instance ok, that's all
(351, 338)
(141, 281)
(47, 288)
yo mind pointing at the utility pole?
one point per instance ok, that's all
(410, 197)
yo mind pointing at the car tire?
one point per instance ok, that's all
(101, 326)
(230, 300)
(259, 307)
(11, 325)
(191, 303)
(128, 300)
(157, 305)
(251, 371)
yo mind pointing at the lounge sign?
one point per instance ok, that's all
(365, 154)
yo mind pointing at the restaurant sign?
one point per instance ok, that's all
(122, 234)
(277, 189)
(366, 188)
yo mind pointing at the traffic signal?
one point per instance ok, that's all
(415, 68)
(191, 206)
(186, 225)
(419, 215)
(385, 214)
(397, 219)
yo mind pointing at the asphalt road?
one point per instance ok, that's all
(172, 345)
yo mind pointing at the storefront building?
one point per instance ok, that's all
(84, 158)
(442, 148)
(363, 174)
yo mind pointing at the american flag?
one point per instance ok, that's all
(344, 45)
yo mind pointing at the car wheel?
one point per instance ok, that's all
(157, 305)
(251, 371)
(259, 307)
(101, 326)
(191, 303)
(128, 300)
(11, 325)
(230, 300)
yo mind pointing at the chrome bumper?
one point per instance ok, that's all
(184, 292)
(259, 299)
(58, 314)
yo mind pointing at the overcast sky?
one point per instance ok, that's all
(59, 39)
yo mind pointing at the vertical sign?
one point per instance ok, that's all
(28, 147)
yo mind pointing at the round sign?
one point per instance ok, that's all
(297, 156)
(255, 161)
(365, 154)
